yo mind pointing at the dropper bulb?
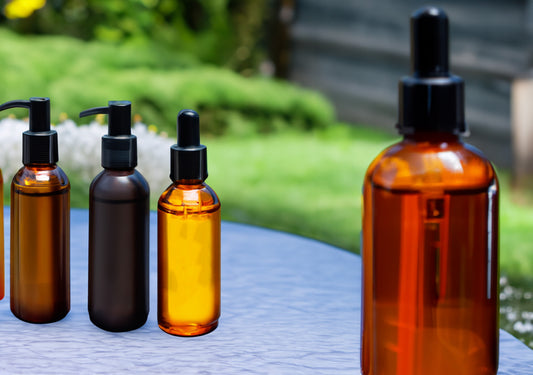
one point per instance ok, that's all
(188, 158)
(431, 99)
(429, 43)
(188, 129)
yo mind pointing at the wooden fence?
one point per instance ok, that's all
(354, 51)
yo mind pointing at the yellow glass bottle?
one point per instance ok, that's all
(40, 223)
(188, 224)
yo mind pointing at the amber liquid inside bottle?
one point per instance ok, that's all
(430, 261)
(40, 244)
(188, 259)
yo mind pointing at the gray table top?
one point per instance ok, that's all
(290, 305)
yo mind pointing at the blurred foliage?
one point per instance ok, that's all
(223, 32)
(77, 75)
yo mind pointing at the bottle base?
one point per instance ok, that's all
(123, 326)
(189, 329)
(41, 319)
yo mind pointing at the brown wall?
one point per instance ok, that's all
(354, 51)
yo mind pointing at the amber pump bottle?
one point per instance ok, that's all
(430, 230)
(119, 208)
(188, 239)
(40, 223)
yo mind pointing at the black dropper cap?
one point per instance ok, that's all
(119, 146)
(39, 144)
(188, 158)
(431, 99)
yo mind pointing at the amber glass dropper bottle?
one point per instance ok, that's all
(119, 208)
(430, 230)
(40, 223)
(188, 239)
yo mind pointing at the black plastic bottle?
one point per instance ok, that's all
(119, 204)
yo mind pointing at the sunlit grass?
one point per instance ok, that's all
(310, 184)
(305, 183)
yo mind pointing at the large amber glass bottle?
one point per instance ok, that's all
(430, 231)
(188, 223)
(40, 223)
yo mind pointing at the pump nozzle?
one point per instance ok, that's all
(188, 158)
(119, 146)
(39, 112)
(39, 143)
(119, 112)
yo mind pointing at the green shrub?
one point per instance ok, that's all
(223, 32)
(77, 75)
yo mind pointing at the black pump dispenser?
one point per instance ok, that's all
(432, 99)
(39, 144)
(188, 158)
(119, 146)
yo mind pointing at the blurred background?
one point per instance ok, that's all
(296, 98)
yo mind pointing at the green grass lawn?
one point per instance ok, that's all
(305, 183)
(310, 184)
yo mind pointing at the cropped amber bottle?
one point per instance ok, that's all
(188, 221)
(2, 286)
(430, 231)
(40, 223)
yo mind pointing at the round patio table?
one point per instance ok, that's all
(290, 305)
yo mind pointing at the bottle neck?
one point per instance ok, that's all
(119, 171)
(189, 183)
(432, 137)
(40, 165)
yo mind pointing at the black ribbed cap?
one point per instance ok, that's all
(39, 143)
(431, 99)
(188, 158)
(119, 146)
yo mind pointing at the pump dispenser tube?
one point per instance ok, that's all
(40, 223)
(430, 230)
(119, 209)
(188, 239)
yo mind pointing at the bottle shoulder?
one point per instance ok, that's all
(411, 165)
(119, 185)
(40, 179)
(178, 198)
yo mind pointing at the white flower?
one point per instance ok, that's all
(80, 151)
(11, 150)
(523, 327)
